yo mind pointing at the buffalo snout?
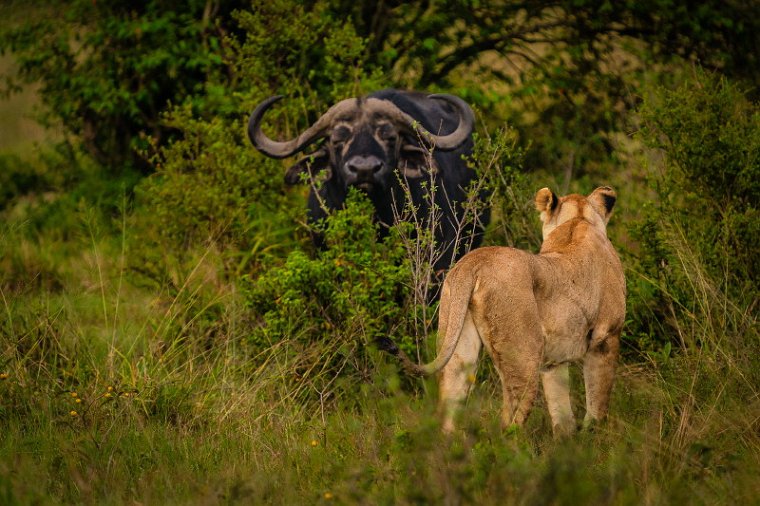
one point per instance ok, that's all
(364, 170)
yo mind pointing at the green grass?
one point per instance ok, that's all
(172, 411)
(176, 406)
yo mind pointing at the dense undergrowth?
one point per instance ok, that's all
(177, 339)
(205, 393)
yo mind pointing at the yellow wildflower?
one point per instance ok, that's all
(314, 442)
(73, 413)
(328, 496)
(77, 400)
(73, 394)
(3, 375)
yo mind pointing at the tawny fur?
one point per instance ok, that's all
(535, 314)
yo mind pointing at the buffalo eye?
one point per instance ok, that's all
(387, 133)
(339, 136)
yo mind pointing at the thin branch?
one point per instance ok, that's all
(466, 54)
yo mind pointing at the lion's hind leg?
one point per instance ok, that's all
(599, 374)
(556, 383)
(517, 361)
(458, 375)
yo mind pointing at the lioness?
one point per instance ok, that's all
(535, 314)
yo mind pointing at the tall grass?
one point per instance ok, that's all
(171, 407)
(113, 393)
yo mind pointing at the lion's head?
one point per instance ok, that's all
(596, 208)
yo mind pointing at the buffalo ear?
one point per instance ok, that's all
(310, 164)
(603, 199)
(414, 161)
(546, 203)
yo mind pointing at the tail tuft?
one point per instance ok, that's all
(387, 345)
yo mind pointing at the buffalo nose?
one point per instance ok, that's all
(364, 165)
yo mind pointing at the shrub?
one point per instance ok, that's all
(499, 161)
(107, 70)
(704, 228)
(320, 314)
(211, 190)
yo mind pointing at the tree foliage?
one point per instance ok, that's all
(699, 237)
(107, 70)
(432, 39)
(163, 89)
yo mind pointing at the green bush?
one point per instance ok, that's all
(699, 239)
(499, 161)
(211, 190)
(18, 178)
(320, 314)
(107, 70)
(308, 52)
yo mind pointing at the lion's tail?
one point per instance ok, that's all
(455, 300)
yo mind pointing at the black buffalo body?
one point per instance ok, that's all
(390, 144)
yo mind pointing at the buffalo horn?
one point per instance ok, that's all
(277, 149)
(464, 128)
(441, 142)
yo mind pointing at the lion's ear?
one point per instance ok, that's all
(603, 199)
(546, 203)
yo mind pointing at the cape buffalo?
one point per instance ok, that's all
(391, 144)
